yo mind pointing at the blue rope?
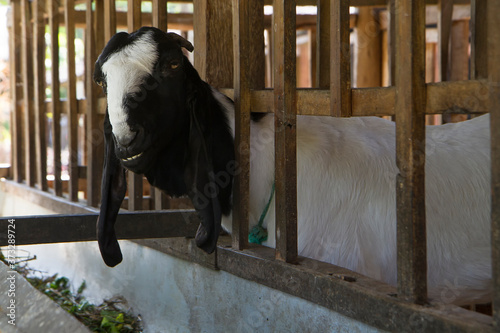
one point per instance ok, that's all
(258, 234)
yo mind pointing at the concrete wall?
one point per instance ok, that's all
(174, 295)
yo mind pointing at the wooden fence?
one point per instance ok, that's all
(243, 60)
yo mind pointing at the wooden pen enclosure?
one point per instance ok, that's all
(411, 60)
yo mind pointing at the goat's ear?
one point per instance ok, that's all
(199, 176)
(114, 186)
(181, 41)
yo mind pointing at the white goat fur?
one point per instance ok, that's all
(347, 204)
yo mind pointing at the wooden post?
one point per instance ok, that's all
(369, 51)
(27, 66)
(69, 18)
(38, 8)
(410, 150)
(323, 45)
(54, 19)
(135, 181)
(445, 11)
(110, 21)
(213, 40)
(160, 14)
(486, 52)
(340, 59)
(16, 92)
(285, 110)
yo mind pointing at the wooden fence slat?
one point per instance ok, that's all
(410, 151)
(94, 134)
(110, 21)
(135, 183)
(38, 7)
(340, 59)
(285, 110)
(241, 189)
(133, 15)
(29, 123)
(159, 19)
(55, 109)
(80, 228)
(16, 93)
(69, 19)
(445, 11)
(323, 45)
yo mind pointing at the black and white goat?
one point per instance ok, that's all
(163, 121)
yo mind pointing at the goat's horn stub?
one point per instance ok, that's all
(181, 41)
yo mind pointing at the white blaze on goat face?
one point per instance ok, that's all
(124, 71)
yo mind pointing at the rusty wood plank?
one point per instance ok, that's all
(80, 228)
(110, 21)
(93, 133)
(159, 19)
(69, 13)
(323, 45)
(362, 299)
(55, 107)
(285, 110)
(16, 92)
(445, 11)
(410, 151)
(133, 15)
(38, 7)
(340, 59)
(28, 92)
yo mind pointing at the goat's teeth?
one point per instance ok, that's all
(132, 158)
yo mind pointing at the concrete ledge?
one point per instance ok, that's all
(34, 312)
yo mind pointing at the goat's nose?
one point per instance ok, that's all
(126, 140)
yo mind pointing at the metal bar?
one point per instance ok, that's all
(285, 110)
(160, 14)
(38, 7)
(69, 19)
(16, 92)
(241, 196)
(110, 21)
(340, 59)
(29, 117)
(55, 109)
(445, 13)
(81, 228)
(410, 151)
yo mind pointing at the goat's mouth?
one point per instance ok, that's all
(132, 158)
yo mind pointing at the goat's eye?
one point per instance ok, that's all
(101, 83)
(174, 64)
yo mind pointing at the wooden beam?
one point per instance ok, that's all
(445, 13)
(340, 59)
(369, 49)
(285, 110)
(410, 151)
(323, 45)
(80, 228)
(133, 15)
(110, 21)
